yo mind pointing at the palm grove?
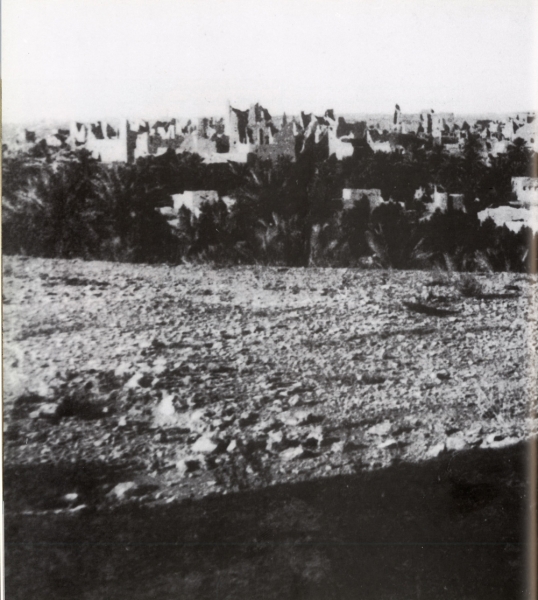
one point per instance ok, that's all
(65, 204)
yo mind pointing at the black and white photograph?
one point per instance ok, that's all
(270, 299)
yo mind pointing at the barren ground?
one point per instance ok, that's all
(263, 433)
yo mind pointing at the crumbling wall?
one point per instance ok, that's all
(426, 121)
(237, 127)
(312, 136)
(378, 142)
(163, 135)
(261, 130)
(341, 148)
(106, 142)
(397, 119)
(283, 144)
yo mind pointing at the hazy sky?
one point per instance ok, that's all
(96, 58)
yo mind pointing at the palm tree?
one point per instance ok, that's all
(55, 208)
(134, 229)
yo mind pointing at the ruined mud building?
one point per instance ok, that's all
(242, 133)
(522, 211)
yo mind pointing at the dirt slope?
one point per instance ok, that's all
(192, 380)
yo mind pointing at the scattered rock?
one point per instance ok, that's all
(381, 428)
(42, 389)
(390, 443)
(434, 451)
(314, 438)
(456, 442)
(157, 344)
(50, 410)
(352, 445)
(472, 435)
(217, 369)
(499, 440)
(426, 309)
(248, 418)
(295, 400)
(187, 465)
(338, 447)
(123, 489)
(300, 417)
(371, 378)
(160, 367)
(403, 429)
(275, 441)
(194, 420)
(268, 425)
(123, 369)
(292, 453)
(166, 406)
(70, 498)
(143, 380)
(204, 445)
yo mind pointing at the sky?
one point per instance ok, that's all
(90, 59)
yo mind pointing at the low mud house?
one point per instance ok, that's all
(525, 190)
(512, 217)
(193, 200)
(435, 198)
(353, 197)
(522, 211)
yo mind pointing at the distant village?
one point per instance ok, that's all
(254, 132)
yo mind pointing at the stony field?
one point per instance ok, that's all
(137, 387)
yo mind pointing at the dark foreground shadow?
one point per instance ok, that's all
(453, 527)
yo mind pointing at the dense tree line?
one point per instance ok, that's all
(66, 204)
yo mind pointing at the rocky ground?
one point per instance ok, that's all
(147, 386)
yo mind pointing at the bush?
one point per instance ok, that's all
(469, 286)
